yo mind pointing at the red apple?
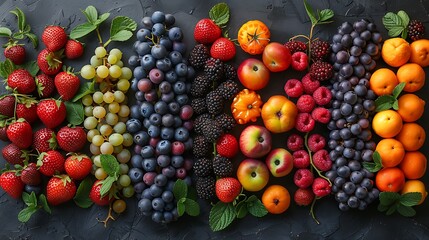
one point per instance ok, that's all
(255, 141)
(279, 162)
(276, 57)
(253, 174)
(253, 74)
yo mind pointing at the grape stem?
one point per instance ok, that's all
(100, 40)
(311, 160)
(109, 217)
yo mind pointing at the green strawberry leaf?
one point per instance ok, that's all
(107, 185)
(192, 193)
(82, 194)
(82, 30)
(406, 211)
(25, 214)
(75, 112)
(121, 29)
(221, 216)
(121, 36)
(110, 165)
(382, 208)
(191, 207)
(256, 208)
(410, 199)
(31, 67)
(241, 209)
(33, 38)
(84, 89)
(219, 13)
(21, 19)
(6, 68)
(103, 17)
(389, 198)
(29, 199)
(91, 14)
(180, 189)
(44, 203)
(5, 32)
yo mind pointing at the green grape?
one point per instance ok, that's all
(116, 139)
(120, 128)
(123, 168)
(87, 72)
(112, 59)
(91, 133)
(106, 148)
(114, 107)
(100, 174)
(124, 111)
(88, 111)
(106, 130)
(119, 206)
(95, 61)
(99, 112)
(97, 97)
(97, 161)
(100, 52)
(112, 119)
(97, 140)
(87, 100)
(123, 119)
(128, 191)
(128, 139)
(116, 52)
(124, 180)
(95, 150)
(118, 149)
(90, 123)
(115, 71)
(108, 97)
(119, 96)
(126, 73)
(120, 63)
(124, 156)
(123, 85)
(102, 71)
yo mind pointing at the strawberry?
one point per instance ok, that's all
(30, 175)
(50, 162)
(14, 155)
(54, 38)
(73, 49)
(11, 184)
(27, 110)
(71, 139)
(15, 53)
(44, 140)
(227, 189)
(3, 134)
(78, 166)
(45, 85)
(60, 189)
(227, 146)
(49, 62)
(223, 49)
(51, 112)
(67, 84)
(21, 81)
(20, 133)
(7, 105)
(206, 31)
(95, 195)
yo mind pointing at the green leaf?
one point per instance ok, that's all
(110, 165)
(384, 102)
(221, 216)
(310, 13)
(21, 18)
(82, 194)
(44, 203)
(5, 32)
(398, 89)
(121, 36)
(382, 208)
(75, 113)
(219, 13)
(29, 199)
(192, 193)
(6, 68)
(256, 208)
(404, 34)
(18, 35)
(325, 15)
(91, 14)
(33, 38)
(410, 199)
(191, 207)
(393, 24)
(181, 207)
(82, 30)
(404, 17)
(241, 209)
(395, 105)
(25, 214)
(406, 211)
(120, 23)
(102, 18)
(106, 185)
(180, 189)
(388, 198)
(392, 209)
(395, 31)
(31, 67)
(84, 89)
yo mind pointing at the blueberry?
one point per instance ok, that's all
(141, 138)
(345, 133)
(164, 87)
(365, 58)
(157, 216)
(145, 205)
(147, 63)
(359, 70)
(163, 64)
(161, 180)
(337, 38)
(134, 61)
(354, 165)
(181, 134)
(179, 46)
(146, 195)
(177, 161)
(136, 175)
(136, 161)
(139, 96)
(169, 19)
(169, 206)
(189, 144)
(139, 72)
(336, 114)
(36, 189)
(336, 47)
(163, 160)
(161, 107)
(167, 133)
(147, 152)
(353, 202)
(349, 143)
(139, 187)
(169, 171)
(344, 87)
(143, 48)
(163, 147)
(182, 99)
(191, 73)
(360, 26)
(350, 97)
(358, 109)
(158, 29)
(168, 217)
(359, 42)
(366, 35)
(158, 17)
(346, 27)
(346, 109)
(146, 109)
(335, 134)
(339, 181)
(154, 131)
(343, 207)
(366, 183)
(177, 122)
(362, 205)
(341, 161)
(349, 188)
(356, 129)
(346, 70)
(155, 191)
(349, 152)
(365, 135)
(175, 34)
(356, 177)
(369, 105)
(174, 108)
(343, 171)
(166, 42)
(158, 51)
(167, 120)
(133, 125)
(331, 175)
(341, 196)
(167, 97)
(361, 192)
(175, 57)
(146, 123)
(359, 145)
(346, 40)
(181, 69)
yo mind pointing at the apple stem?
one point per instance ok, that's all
(312, 210)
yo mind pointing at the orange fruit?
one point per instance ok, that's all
(390, 179)
(415, 186)
(413, 165)
(412, 75)
(396, 52)
(412, 136)
(391, 152)
(387, 123)
(383, 81)
(253, 36)
(420, 52)
(411, 107)
(276, 199)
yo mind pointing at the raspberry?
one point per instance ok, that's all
(321, 115)
(304, 122)
(321, 187)
(316, 142)
(303, 178)
(303, 196)
(294, 88)
(322, 96)
(301, 159)
(299, 61)
(295, 142)
(322, 161)
(305, 103)
(310, 85)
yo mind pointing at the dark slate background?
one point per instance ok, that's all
(285, 18)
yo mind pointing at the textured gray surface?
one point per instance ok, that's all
(286, 18)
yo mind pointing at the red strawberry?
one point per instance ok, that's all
(49, 62)
(206, 31)
(7, 105)
(20, 133)
(71, 139)
(51, 162)
(60, 189)
(30, 175)
(14, 155)
(95, 195)
(11, 184)
(45, 85)
(223, 49)
(51, 112)
(3, 134)
(67, 84)
(16, 53)
(44, 140)
(27, 109)
(227, 189)
(227, 146)
(73, 49)
(21, 81)
(54, 38)
(78, 166)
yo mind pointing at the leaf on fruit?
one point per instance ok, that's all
(256, 208)
(410, 199)
(110, 165)
(221, 216)
(406, 211)
(44, 203)
(389, 198)
(5, 32)
(91, 14)
(75, 112)
(180, 189)
(25, 214)
(374, 166)
(82, 30)
(219, 13)
(106, 185)
(384, 102)
(191, 207)
(82, 194)
(241, 209)
(398, 89)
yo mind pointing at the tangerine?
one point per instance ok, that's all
(412, 75)
(396, 51)
(387, 123)
(383, 81)
(420, 52)
(413, 165)
(391, 152)
(276, 199)
(410, 107)
(412, 136)
(390, 179)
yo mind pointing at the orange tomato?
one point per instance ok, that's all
(253, 36)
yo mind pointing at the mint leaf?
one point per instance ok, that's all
(310, 13)
(384, 102)
(82, 194)
(393, 24)
(109, 164)
(82, 30)
(31, 67)
(192, 193)
(392, 209)
(404, 17)
(106, 185)
(410, 199)
(5, 32)
(398, 89)
(122, 23)
(219, 13)
(241, 209)
(191, 207)
(21, 19)
(84, 89)
(406, 211)
(395, 31)
(221, 216)
(325, 15)
(255, 207)
(25, 214)
(374, 166)
(382, 208)
(388, 198)
(75, 113)
(102, 18)
(395, 105)
(180, 189)
(122, 36)
(44, 203)
(91, 14)
(181, 207)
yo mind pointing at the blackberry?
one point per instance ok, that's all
(199, 55)
(321, 71)
(203, 167)
(229, 71)
(214, 102)
(226, 121)
(296, 46)
(228, 89)
(201, 147)
(319, 50)
(201, 86)
(214, 69)
(416, 30)
(199, 105)
(205, 187)
(201, 121)
(212, 130)
(222, 166)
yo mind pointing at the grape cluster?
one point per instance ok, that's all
(355, 48)
(161, 116)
